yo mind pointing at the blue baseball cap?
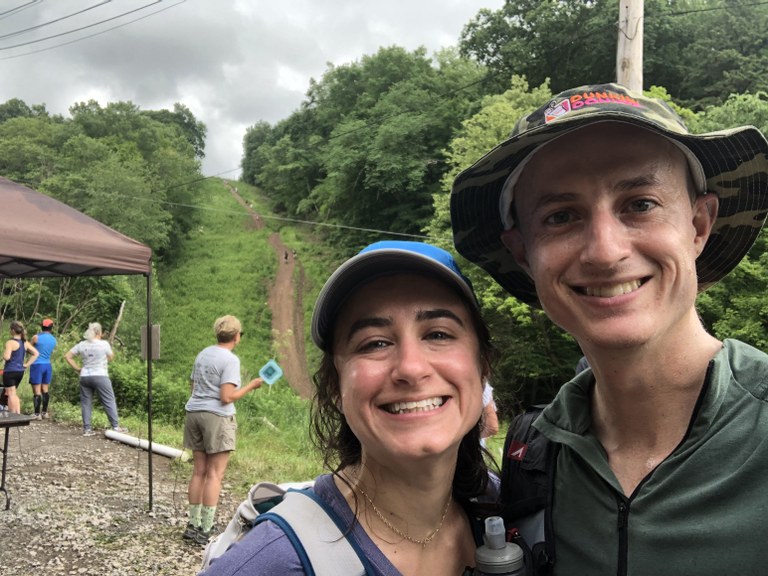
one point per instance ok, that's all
(379, 259)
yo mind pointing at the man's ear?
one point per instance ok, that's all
(513, 240)
(704, 216)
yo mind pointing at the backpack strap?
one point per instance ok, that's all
(315, 531)
(527, 487)
(262, 497)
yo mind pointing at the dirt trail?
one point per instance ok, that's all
(285, 300)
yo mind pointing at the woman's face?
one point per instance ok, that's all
(410, 374)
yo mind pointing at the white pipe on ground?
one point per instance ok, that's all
(167, 451)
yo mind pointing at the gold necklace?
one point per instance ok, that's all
(405, 535)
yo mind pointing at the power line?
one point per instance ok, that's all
(154, 200)
(96, 33)
(21, 8)
(44, 24)
(276, 218)
(82, 27)
(713, 8)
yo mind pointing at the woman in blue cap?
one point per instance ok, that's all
(396, 416)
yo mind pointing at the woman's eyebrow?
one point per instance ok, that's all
(439, 313)
(381, 322)
(368, 322)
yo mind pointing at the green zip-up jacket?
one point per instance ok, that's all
(702, 512)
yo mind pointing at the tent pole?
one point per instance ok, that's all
(149, 379)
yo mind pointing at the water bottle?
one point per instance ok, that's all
(497, 556)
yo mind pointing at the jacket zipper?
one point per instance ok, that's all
(623, 522)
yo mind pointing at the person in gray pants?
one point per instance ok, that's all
(95, 355)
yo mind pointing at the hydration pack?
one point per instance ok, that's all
(527, 489)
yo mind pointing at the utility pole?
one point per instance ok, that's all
(629, 51)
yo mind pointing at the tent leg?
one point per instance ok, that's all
(149, 382)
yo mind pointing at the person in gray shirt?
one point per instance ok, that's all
(210, 424)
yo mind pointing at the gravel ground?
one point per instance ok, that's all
(81, 506)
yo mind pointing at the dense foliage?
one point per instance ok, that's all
(536, 355)
(325, 162)
(364, 150)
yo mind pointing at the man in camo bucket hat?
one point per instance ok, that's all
(729, 163)
(602, 209)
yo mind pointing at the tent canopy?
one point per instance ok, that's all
(40, 236)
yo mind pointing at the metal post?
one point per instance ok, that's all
(149, 381)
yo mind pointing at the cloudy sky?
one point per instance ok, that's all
(231, 62)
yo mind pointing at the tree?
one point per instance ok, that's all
(570, 42)
(193, 130)
(736, 306)
(252, 162)
(14, 108)
(363, 151)
(701, 51)
(28, 147)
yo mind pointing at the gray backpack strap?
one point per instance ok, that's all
(329, 552)
(243, 520)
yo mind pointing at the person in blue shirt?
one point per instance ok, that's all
(41, 370)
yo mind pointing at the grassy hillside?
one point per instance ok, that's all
(227, 267)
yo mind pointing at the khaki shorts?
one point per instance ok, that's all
(210, 433)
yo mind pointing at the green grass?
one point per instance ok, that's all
(225, 267)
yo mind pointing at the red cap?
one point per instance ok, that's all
(47, 323)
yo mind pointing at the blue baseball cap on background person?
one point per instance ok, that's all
(379, 259)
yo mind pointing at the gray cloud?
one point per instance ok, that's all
(232, 62)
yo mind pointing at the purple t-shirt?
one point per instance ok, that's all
(266, 550)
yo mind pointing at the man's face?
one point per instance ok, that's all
(607, 230)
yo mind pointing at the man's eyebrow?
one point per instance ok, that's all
(438, 313)
(552, 198)
(637, 182)
(626, 184)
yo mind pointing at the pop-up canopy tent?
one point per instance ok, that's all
(42, 237)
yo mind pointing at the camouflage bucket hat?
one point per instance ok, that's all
(730, 163)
